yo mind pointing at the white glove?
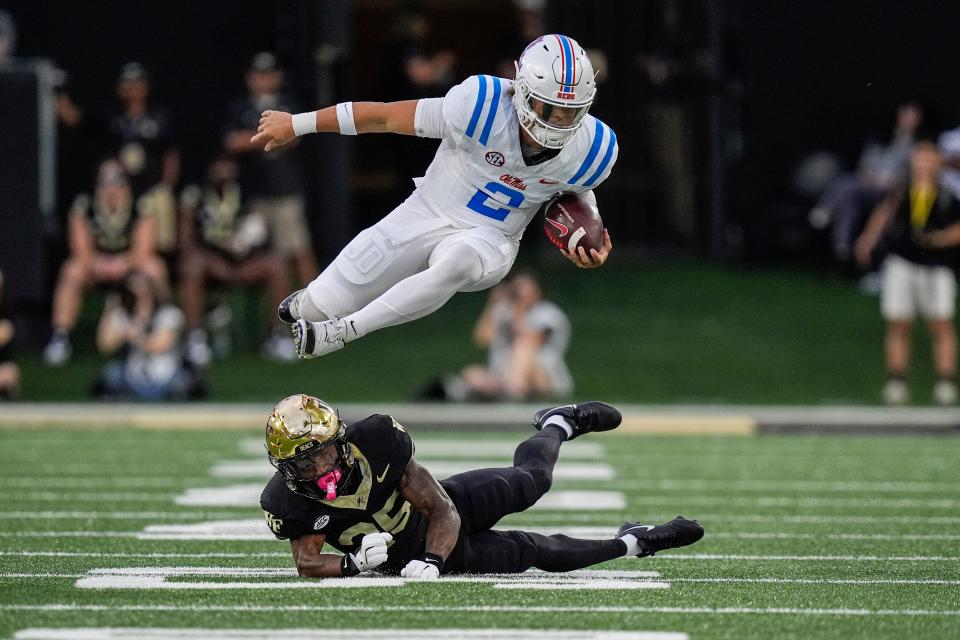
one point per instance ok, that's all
(420, 570)
(372, 552)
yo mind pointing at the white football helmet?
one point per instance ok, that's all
(555, 70)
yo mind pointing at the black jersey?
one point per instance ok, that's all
(940, 212)
(112, 230)
(222, 223)
(382, 449)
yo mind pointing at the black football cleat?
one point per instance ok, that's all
(289, 309)
(679, 532)
(583, 418)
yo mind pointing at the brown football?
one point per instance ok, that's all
(572, 222)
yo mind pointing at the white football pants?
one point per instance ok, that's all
(405, 267)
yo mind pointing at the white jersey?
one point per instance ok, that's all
(479, 177)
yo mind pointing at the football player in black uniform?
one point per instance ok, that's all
(359, 489)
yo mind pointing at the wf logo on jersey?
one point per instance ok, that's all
(512, 181)
(273, 522)
(495, 158)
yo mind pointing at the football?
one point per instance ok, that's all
(572, 222)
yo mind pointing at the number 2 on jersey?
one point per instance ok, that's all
(479, 201)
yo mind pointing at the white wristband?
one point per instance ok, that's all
(304, 123)
(345, 119)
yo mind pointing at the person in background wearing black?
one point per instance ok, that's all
(272, 181)
(110, 235)
(920, 223)
(222, 241)
(140, 134)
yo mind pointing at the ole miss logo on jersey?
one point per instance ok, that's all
(495, 158)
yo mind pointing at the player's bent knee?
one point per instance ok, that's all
(460, 265)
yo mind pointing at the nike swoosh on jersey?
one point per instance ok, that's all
(383, 475)
(545, 181)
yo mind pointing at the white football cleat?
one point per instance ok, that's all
(945, 393)
(314, 339)
(896, 392)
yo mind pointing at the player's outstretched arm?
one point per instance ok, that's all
(421, 489)
(310, 562)
(277, 128)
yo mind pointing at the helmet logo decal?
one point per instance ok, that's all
(495, 158)
(568, 65)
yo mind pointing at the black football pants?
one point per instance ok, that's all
(484, 496)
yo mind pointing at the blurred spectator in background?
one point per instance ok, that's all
(146, 330)
(949, 143)
(8, 36)
(9, 371)
(675, 69)
(224, 242)
(850, 198)
(141, 136)
(272, 181)
(528, 25)
(414, 70)
(110, 235)
(920, 224)
(527, 339)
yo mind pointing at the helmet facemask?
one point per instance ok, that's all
(299, 432)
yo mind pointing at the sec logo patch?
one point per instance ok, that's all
(495, 158)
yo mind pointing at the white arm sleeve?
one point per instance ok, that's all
(428, 119)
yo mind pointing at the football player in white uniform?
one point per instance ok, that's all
(506, 148)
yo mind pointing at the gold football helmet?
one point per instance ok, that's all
(299, 428)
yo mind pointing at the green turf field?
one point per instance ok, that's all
(807, 536)
(644, 332)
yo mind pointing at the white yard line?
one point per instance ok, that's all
(515, 521)
(113, 515)
(706, 580)
(812, 486)
(564, 471)
(325, 607)
(107, 481)
(791, 501)
(255, 530)
(439, 468)
(742, 518)
(157, 578)
(104, 554)
(16, 575)
(248, 495)
(802, 558)
(159, 633)
(660, 556)
(94, 496)
(449, 448)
